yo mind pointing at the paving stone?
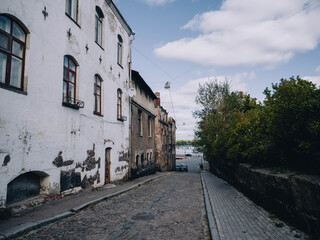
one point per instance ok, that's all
(168, 208)
(239, 218)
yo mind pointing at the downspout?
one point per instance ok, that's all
(130, 99)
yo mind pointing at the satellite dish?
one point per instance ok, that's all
(132, 92)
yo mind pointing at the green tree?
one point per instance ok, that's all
(293, 108)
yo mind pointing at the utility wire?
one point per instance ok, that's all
(226, 50)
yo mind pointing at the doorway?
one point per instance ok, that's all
(107, 165)
(22, 187)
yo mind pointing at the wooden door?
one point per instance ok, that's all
(107, 165)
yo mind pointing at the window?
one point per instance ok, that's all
(137, 160)
(139, 122)
(97, 94)
(149, 126)
(120, 42)
(99, 18)
(72, 9)
(69, 81)
(12, 53)
(119, 104)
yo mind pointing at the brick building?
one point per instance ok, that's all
(165, 138)
(142, 160)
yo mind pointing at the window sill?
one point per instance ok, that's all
(13, 89)
(73, 20)
(70, 105)
(99, 45)
(120, 65)
(98, 114)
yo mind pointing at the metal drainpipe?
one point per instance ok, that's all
(130, 85)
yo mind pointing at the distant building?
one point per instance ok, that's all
(164, 142)
(142, 160)
(64, 80)
(172, 144)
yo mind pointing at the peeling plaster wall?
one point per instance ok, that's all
(35, 129)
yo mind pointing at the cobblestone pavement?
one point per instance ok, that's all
(238, 218)
(171, 207)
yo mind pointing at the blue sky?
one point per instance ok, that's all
(252, 43)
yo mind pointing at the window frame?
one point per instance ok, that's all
(99, 16)
(96, 95)
(140, 125)
(149, 126)
(8, 53)
(120, 50)
(119, 105)
(69, 12)
(72, 102)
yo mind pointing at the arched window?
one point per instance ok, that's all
(97, 94)
(72, 9)
(69, 81)
(120, 42)
(119, 104)
(98, 27)
(12, 53)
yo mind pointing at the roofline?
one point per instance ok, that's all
(119, 16)
(144, 84)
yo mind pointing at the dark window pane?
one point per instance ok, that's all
(74, 13)
(3, 67)
(72, 65)
(16, 71)
(71, 77)
(5, 24)
(65, 61)
(64, 91)
(65, 73)
(17, 49)
(4, 41)
(18, 32)
(98, 104)
(68, 7)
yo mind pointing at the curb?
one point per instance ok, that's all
(211, 219)
(29, 226)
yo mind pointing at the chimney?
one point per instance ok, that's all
(157, 101)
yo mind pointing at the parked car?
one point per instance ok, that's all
(182, 167)
(188, 155)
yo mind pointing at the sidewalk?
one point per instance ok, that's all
(235, 217)
(58, 209)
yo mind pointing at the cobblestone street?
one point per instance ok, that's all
(172, 206)
(167, 208)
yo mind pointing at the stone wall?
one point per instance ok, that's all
(293, 198)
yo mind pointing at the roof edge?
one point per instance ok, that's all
(119, 16)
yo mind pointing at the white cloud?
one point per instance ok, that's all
(157, 2)
(317, 69)
(249, 32)
(314, 79)
(184, 101)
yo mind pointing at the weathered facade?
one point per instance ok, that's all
(172, 144)
(163, 146)
(142, 128)
(64, 80)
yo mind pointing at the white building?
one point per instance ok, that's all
(64, 78)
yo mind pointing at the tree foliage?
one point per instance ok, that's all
(283, 131)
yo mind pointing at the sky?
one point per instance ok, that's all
(251, 43)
